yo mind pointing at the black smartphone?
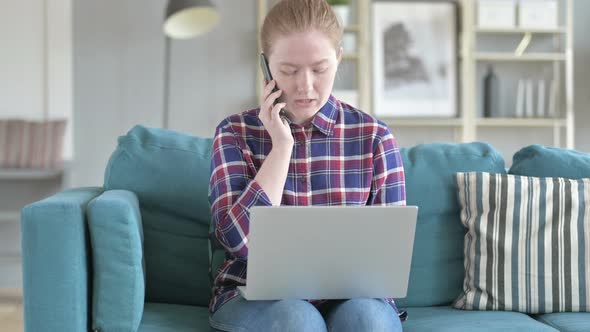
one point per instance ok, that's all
(268, 78)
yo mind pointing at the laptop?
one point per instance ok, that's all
(335, 252)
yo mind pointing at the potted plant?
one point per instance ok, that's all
(342, 9)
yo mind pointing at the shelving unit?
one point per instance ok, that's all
(517, 122)
(467, 125)
(352, 28)
(499, 56)
(471, 57)
(427, 122)
(519, 30)
(29, 174)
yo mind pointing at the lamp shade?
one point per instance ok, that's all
(189, 18)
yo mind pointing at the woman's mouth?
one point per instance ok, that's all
(304, 102)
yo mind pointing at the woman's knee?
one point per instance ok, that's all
(294, 315)
(364, 315)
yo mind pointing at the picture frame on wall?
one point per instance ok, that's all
(414, 47)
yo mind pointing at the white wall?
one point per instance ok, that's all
(118, 78)
(119, 71)
(21, 59)
(36, 61)
(60, 66)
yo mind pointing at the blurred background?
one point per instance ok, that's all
(75, 75)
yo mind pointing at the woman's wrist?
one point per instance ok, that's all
(284, 149)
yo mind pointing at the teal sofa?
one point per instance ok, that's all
(135, 253)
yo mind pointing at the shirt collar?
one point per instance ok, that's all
(325, 119)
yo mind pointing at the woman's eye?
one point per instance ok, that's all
(288, 73)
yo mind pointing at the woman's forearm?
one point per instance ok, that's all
(273, 173)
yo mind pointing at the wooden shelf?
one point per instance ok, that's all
(9, 216)
(350, 56)
(520, 122)
(352, 28)
(422, 122)
(501, 56)
(15, 294)
(557, 30)
(29, 174)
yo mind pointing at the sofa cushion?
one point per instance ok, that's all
(116, 239)
(527, 243)
(160, 317)
(567, 321)
(542, 161)
(447, 319)
(437, 261)
(169, 173)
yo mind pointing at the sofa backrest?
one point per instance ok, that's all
(169, 173)
(436, 275)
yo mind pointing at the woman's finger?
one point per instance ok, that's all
(264, 103)
(268, 87)
(274, 96)
(276, 109)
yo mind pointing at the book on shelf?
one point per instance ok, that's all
(529, 106)
(541, 99)
(553, 96)
(536, 99)
(519, 112)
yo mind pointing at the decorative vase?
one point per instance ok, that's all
(491, 95)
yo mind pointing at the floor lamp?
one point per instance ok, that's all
(184, 19)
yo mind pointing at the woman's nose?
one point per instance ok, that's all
(305, 82)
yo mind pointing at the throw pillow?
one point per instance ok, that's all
(544, 161)
(436, 275)
(527, 246)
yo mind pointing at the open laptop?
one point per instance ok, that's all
(336, 252)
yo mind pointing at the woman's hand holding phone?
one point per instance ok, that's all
(277, 127)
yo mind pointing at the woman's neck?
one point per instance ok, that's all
(301, 120)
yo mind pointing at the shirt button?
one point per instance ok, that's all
(303, 179)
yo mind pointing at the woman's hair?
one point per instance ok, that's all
(291, 16)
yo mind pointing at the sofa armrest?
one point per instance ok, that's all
(116, 237)
(56, 261)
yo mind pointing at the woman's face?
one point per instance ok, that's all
(304, 66)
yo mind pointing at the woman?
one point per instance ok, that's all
(323, 152)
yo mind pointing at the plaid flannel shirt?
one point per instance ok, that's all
(344, 157)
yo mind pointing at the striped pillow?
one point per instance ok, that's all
(527, 246)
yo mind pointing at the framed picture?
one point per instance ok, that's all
(415, 59)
